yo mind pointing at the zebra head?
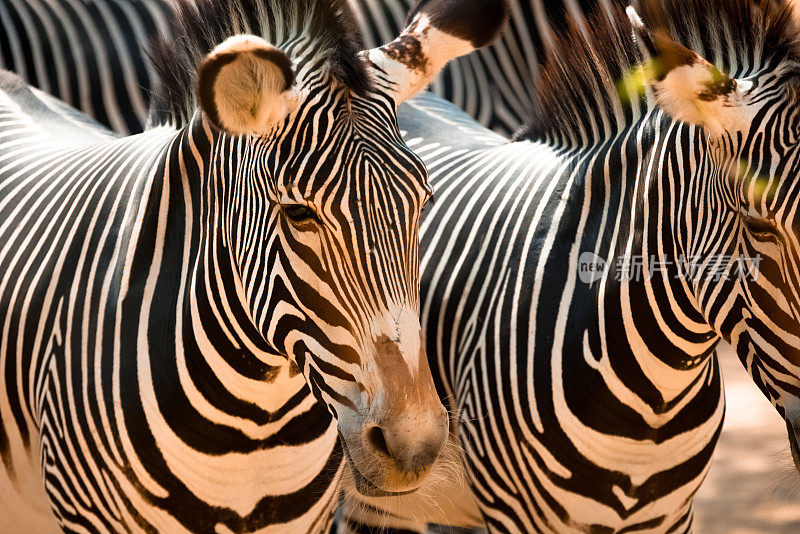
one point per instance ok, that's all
(320, 201)
(744, 200)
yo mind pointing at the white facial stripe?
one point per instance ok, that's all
(401, 325)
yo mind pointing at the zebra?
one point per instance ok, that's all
(587, 397)
(90, 54)
(202, 324)
(93, 55)
(494, 84)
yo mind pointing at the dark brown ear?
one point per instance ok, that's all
(689, 88)
(476, 21)
(244, 85)
(437, 32)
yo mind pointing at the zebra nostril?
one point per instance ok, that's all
(376, 439)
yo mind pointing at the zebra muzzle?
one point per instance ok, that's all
(394, 437)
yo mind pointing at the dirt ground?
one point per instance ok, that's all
(752, 487)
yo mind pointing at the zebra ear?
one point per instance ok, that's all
(243, 85)
(689, 88)
(436, 32)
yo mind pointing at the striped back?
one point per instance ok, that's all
(92, 55)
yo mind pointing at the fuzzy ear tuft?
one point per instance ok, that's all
(437, 32)
(243, 85)
(689, 88)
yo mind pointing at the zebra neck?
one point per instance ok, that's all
(650, 319)
(655, 341)
(218, 348)
(221, 339)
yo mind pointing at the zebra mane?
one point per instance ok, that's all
(326, 27)
(584, 95)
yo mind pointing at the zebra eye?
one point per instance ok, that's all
(759, 227)
(300, 214)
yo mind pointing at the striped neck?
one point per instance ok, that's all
(644, 232)
(217, 344)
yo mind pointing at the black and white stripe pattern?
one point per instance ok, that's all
(596, 407)
(93, 55)
(90, 54)
(183, 312)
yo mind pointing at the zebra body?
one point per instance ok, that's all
(92, 55)
(536, 445)
(98, 415)
(595, 405)
(203, 321)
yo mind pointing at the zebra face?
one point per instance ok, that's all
(346, 309)
(763, 323)
(746, 231)
(325, 222)
(322, 215)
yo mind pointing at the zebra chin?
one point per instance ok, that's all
(378, 476)
(366, 487)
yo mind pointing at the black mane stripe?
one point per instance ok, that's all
(200, 25)
(578, 97)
